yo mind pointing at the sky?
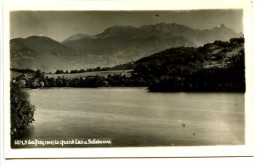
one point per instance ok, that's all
(59, 25)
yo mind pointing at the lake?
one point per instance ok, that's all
(136, 117)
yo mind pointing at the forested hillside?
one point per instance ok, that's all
(217, 66)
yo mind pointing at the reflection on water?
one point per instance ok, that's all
(134, 117)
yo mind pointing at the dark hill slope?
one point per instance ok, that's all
(217, 66)
(40, 53)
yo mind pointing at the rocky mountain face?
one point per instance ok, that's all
(116, 45)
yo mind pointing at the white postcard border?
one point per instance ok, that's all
(191, 151)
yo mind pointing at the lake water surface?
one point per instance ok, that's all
(135, 117)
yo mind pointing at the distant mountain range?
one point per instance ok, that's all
(116, 45)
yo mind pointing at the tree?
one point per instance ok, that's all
(57, 72)
(35, 84)
(41, 84)
(39, 74)
(22, 112)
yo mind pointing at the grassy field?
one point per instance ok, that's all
(85, 74)
(15, 74)
(127, 73)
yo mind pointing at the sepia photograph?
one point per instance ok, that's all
(127, 79)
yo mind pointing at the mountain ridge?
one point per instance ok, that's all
(165, 28)
(38, 52)
(115, 45)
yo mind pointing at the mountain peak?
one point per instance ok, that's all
(36, 37)
(78, 36)
(117, 31)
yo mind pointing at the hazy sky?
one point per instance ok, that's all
(59, 25)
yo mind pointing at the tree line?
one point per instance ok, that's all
(115, 80)
(127, 66)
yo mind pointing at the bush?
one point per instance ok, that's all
(22, 112)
